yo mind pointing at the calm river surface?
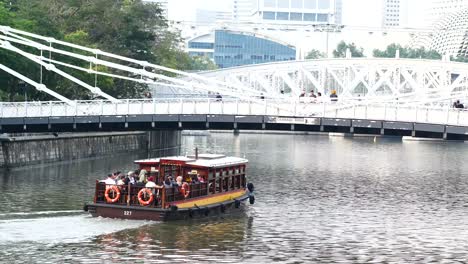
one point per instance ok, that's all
(318, 200)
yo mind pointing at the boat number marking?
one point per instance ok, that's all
(127, 212)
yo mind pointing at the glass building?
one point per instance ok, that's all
(235, 48)
(240, 48)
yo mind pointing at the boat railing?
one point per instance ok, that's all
(196, 190)
(128, 194)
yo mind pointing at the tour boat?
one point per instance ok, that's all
(212, 184)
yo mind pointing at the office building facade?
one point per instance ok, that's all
(230, 48)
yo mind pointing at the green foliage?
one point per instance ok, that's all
(315, 54)
(340, 51)
(128, 28)
(406, 52)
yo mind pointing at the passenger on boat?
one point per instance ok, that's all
(194, 179)
(121, 180)
(201, 179)
(179, 180)
(168, 183)
(130, 178)
(151, 183)
(110, 179)
(142, 178)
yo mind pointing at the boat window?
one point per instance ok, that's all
(210, 175)
(217, 174)
(230, 171)
(237, 170)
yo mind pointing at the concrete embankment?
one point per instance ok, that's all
(21, 150)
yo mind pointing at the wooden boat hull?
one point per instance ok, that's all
(169, 214)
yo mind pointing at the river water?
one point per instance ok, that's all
(319, 199)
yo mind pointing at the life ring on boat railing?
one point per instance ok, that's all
(115, 191)
(144, 193)
(185, 189)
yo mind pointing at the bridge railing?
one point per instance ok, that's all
(442, 114)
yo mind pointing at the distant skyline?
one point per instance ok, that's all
(356, 13)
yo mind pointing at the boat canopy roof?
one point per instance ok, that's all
(204, 160)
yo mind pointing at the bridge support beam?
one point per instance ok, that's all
(382, 131)
(351, 130)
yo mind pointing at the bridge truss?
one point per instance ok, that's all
(370, 79)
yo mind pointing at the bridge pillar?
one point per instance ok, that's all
(351, 130)
(263, 125)
(292, 127)
(180, 124)
(382, 131)
(235, 125)
(207, 125)
(413, 133)
(322, 128)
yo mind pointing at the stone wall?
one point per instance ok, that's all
(34, 149)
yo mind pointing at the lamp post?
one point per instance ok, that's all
(22, 85)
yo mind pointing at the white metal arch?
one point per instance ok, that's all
(370, 79)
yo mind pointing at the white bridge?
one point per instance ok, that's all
(394, 90)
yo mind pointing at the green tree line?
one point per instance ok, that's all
(389, 52)
(128, 28)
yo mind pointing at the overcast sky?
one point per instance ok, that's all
(363, 13)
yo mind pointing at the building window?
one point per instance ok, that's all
(283, 3)
(323, 4)
(282, 16)
(310, 4)
(295, 16)
(270, 3)
(310, 17)
(201, 45)
(322, 17)
(269, 15)
(296, 3)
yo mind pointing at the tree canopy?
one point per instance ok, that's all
(340, 51)
(315, 54)
(406, 52)
(128, 28)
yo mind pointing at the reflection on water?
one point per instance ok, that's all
(319, 200)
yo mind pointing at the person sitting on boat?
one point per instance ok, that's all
(130, 178)
(201, 179)
(179, 180)
(151, 184)
(110, 179)
(142, 178)
(168, 183)
(121, 180)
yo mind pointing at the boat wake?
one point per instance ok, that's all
(59, 229)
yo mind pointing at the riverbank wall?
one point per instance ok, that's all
(30, 149)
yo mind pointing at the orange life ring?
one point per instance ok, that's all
(115, 190)
(146, 192)
(185, 189)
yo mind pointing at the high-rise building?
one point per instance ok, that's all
(391, 16)
(242, 10)
(210, 17)
(338, 12)
(296, 11)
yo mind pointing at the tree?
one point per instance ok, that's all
(315, 54)
(406, 52)
(128, 28)
(340, 51)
